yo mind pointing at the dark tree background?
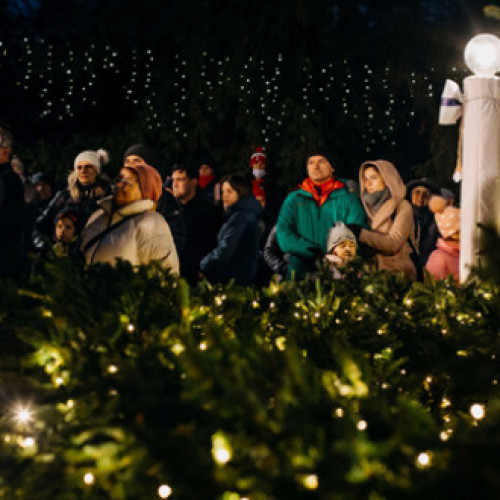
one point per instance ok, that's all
(362, 79)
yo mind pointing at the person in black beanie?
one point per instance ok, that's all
(418, 193)
(139, 153)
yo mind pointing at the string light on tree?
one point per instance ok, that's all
(89, 478)
(23, 415)
(164, 491)
(478, 411)
(424, 460)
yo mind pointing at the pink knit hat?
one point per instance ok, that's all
(149, 181)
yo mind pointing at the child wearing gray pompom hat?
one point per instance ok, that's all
(341, 247)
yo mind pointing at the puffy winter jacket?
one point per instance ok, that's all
(303, 226)
(236, 254)
(137, 234)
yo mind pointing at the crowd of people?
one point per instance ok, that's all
(241, 227)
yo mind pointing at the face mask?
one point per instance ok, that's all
(258, 173)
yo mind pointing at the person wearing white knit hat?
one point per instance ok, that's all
(86, 185)
(88, 164)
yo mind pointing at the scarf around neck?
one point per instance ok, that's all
(376, 199)
(321, 191)
(205, 180)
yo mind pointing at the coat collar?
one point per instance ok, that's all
(136, 207)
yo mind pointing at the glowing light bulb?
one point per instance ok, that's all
(221, 450)
(424, 460)
(89, 478)
(112, 369)
(362, 425)
(482, 55)
(23, 415)
(311, 481)
(164, 491)
(477, 411)
(27, 442)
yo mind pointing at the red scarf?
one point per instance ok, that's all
(321, 191)
(205, 180)
(257, 189)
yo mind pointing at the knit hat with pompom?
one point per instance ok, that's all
(95, 158)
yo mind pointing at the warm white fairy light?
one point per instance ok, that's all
(27, 442)
(112, 369)
(164, 491)
(362, 425)
(221, 449)
(23, 414)
(89, 478)
(424, 460)
(310, 481)
(478, 411)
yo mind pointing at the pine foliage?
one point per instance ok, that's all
(115, 382)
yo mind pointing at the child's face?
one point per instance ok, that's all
(345, 250)
(65, 230)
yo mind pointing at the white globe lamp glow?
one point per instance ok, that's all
(482, 55)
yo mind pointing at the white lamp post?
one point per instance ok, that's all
(480, 106)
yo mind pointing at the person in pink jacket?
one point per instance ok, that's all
(444, 260)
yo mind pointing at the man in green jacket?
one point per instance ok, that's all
(308, 213)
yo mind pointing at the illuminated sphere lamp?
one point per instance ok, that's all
(482, 55)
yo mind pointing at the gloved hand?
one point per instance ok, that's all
(355, 228)
(316, 250)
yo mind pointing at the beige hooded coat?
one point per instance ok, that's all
(389, 234)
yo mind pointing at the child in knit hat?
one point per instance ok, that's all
(445, 259)
(341, 248)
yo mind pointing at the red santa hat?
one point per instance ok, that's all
(258, 156)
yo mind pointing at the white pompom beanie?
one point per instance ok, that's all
(96, 158)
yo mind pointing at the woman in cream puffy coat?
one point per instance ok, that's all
(126, 225)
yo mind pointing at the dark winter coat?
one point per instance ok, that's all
(274, 199)
(236, 254)
(12, 221)
(274, 257)
(426, 232)
(171, 209)
(211, 192)
(82, 199)
(202, 224)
